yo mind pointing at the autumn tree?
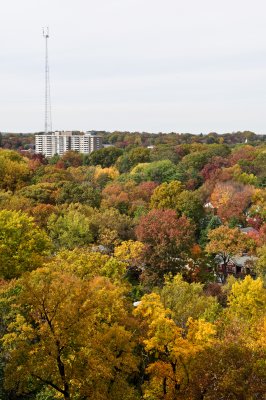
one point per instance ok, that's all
(102, 176)
(14, 202)
(231, 199)
(243, 153)
(211, 169)
(87, 263)
(173, 196)
(71, 159)
(110, 227)
(14, 170)
(166, 195)
(40, 193)
(170, 348)
(23, 246)
(261, 262)
(219, 353)
(70, 335)
(115, 195)
(228, 370)
(41, 213)
(168, 241)
(130, 253)
(187, 301)
(236, 367)
(226, 243)
(51, 174)
(247, 300)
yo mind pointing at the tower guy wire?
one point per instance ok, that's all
(47, 101)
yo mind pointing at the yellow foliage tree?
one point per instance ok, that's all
(111, 172)
(71, 335)
(170, 348)
(14, 170)
(130, 252)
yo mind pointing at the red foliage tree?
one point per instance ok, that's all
(168, 241)
(210, 170)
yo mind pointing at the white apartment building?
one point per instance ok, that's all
(61, 142)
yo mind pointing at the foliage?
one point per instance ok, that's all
(88, 263)
(231, 199)
(247, 299)
(168, 241)
(105, 157)
(110, 227)
(261, 263)
(40, 193)
(14, 170)
(23, 246)
(187, 301)
(228, 242)
(157, 171)
(69, 230)
(71, 335)
(173, 196)
(170, 349)
(135, 156)
(72, 192)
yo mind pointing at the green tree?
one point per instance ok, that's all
(40, 193)
(133, 157)
(70, 229)
(105, 157)
(157, 171)
(84, 193)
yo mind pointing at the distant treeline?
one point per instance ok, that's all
(124, 139)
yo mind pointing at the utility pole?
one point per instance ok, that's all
(47, 104)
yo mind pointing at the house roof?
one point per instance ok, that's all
(248, 229)
(240, 261)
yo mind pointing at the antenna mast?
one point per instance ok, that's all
(47, 105)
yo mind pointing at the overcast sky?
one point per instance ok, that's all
(139, 65)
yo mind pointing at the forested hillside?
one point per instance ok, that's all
(135, 272)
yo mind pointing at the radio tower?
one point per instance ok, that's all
(47, 111)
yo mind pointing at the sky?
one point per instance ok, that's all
(136, 65)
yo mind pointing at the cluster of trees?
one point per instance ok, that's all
(16, 141)
(109, 282)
